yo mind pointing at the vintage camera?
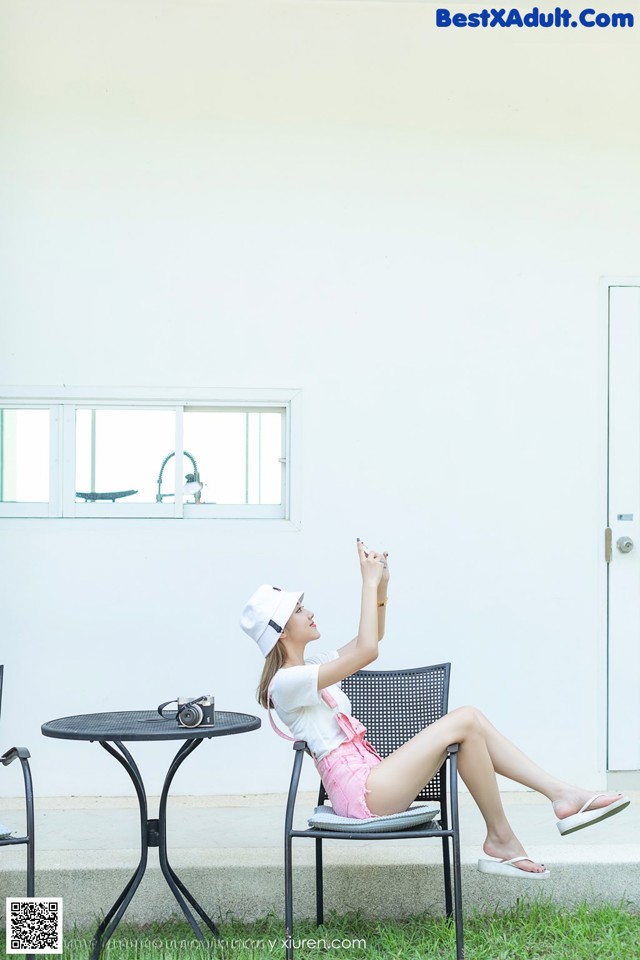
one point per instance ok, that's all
(199, 712)
(192, 712)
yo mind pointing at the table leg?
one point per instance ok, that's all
(152, 833)
(113, 917)
(177, 886)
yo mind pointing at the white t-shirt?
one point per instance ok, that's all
(299, 705)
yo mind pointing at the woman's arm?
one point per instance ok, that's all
(382, 608)
(382, 596)
(364, 648)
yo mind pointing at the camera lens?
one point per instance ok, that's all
(191, 715)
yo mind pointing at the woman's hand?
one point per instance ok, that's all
(372, 565)
(385, 570)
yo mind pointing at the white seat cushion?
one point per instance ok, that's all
(325, 817)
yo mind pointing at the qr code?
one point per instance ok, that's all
(34, 925)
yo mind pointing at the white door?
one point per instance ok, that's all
(624, 522)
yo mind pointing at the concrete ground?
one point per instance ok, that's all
(228, 850)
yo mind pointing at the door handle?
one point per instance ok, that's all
(624, 544)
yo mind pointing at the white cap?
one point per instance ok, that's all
(266, 613)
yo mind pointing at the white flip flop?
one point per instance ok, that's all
(585, 817)
(506, 868)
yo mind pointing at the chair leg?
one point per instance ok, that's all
(446, 853)
(299, 747)
(288, 898)
(457, 872)
(457, 882)
(319, 884)
(446, 868)
(31, 829)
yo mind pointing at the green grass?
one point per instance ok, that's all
(536, 930)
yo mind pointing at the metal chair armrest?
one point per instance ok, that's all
(14, 753)
(22, 754)
(299, 748)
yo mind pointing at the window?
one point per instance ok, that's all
(25, 461)
(120, 449)
(186, 457)
(243, 454)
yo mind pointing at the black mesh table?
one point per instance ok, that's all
(110, 730)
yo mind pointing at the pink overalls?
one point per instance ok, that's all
(344, 770)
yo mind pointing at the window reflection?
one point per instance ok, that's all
(239, 454)
(118, 453)
(24, 456)
(231, 456)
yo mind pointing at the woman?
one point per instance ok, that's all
(358, 782)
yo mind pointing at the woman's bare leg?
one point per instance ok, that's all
(509, 761)
(394, 783)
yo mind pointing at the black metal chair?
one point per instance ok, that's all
(393, 705)
(22, 754)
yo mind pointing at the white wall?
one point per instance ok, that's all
(407, 224)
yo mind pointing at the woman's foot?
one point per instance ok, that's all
(509, 850)
(576, 809)
(572, 802)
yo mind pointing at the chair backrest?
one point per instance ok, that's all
(394, 705)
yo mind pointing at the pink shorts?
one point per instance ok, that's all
(344, 774)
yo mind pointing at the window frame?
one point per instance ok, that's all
(62, 404)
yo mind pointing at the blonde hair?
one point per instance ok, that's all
(272, 663)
